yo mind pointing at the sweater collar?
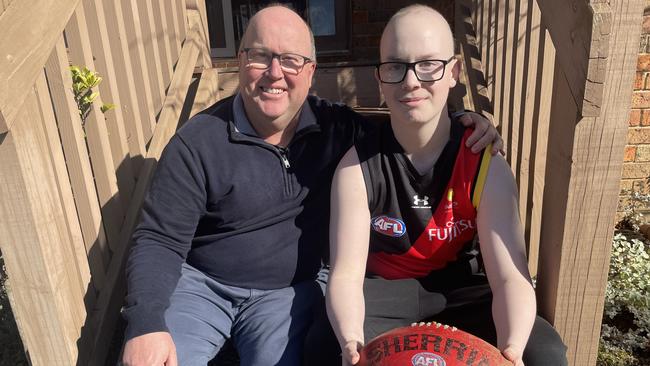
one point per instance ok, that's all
(242, 123)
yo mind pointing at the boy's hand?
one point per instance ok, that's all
(350, 353)
(513, 354)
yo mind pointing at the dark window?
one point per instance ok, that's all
(327, 18)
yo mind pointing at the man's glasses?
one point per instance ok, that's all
(425, 70)
(260, 58)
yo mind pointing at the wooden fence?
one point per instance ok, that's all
(557, 76)
(70, 193)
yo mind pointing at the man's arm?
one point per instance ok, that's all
(171, 210)
(504, 255)
(484, 133)
(349, 236)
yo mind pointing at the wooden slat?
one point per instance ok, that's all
(516, 96)
(574, 253)
(507, 78)
(174, 25)
(45, 283)
(162, 40)
(129, 105)
(30, 29)
(533, 127)
(543, 116)
(97, 134)
(182, 16)
(140, 66)
(109, 302)
(78, 163)
(208, 91)
(152, 53)
(64, 189)
(500, 50)
(200, 8)
(105, 66)
(580, 32)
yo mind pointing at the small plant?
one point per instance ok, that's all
(83, 81)
(625, 333)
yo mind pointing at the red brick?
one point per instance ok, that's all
(639, 80)
(643, 63)
(360, 17)
(641, 99)
(645, 117)
(645, 28)
(635, 117)
(630, 153)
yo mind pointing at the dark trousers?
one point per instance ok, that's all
(396, 303)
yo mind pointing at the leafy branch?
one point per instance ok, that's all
(83, 81)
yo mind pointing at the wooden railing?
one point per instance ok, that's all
(70, 192)
(557, 76)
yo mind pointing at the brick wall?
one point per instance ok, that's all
(367, 20)
(369, 17)
(636, 160)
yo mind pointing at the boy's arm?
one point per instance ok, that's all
(504, 255)
(349, 236)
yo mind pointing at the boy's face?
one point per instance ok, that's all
(414, 37)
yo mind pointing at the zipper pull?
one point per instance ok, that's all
(283, 156)
(285, 161)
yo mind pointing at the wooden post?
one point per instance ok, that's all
(585, 156)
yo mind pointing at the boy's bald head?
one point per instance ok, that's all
(417, 21)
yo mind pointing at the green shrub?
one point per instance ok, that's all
(625, 334)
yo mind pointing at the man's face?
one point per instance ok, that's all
(273, 95)
(412, 38)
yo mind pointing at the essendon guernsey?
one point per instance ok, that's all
(420, 222)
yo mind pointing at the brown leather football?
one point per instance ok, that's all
(430, 344)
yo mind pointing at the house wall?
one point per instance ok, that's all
(636, 161)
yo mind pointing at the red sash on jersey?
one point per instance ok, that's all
(452, 225)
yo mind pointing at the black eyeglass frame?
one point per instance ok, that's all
(411, 66)
(306, 59)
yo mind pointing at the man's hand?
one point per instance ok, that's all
(484, 133)
(513, 354)
(350, 353)
(151, 349)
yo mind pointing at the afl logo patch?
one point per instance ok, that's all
(388, 226)
(427, 359)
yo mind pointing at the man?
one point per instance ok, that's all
(235, 223)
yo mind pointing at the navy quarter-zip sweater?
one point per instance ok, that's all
(244, 212)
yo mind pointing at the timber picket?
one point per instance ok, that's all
(174, 24)
(140, 66)
(162, 41)
(129, 106)
(78, 163)
(152, 53)
(30, 28)
(542, 115)
(96, 133)
(114, 119)
(74, 236)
